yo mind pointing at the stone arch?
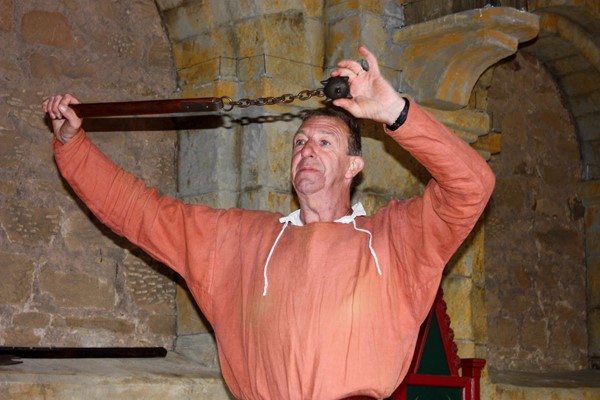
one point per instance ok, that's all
(535, 263)
(569, 45)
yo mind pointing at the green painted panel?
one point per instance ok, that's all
(433, 360)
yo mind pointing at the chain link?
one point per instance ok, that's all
(229, 104)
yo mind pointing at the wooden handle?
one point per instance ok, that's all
(148, 107)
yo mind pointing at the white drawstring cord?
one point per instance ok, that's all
(370, 245)
(269, 257)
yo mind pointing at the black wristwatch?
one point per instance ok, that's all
(401, 118)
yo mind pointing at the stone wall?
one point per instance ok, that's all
(535, 262)
(67, 280)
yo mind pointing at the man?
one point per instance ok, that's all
(325, 303)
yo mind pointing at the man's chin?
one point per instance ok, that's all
(305, 187)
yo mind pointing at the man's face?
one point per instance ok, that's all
(320, 160)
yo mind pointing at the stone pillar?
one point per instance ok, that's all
(591, 200)
(242, 50)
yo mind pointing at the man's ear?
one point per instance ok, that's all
(357, 163)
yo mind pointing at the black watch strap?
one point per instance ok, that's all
(401, 118)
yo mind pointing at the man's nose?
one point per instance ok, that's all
(308, 150)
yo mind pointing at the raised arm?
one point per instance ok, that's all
(440, 219)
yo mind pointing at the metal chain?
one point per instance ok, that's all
(229, 104)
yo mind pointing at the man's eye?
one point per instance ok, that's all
(299, 142)
(325, 142)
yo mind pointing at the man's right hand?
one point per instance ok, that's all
(65, 123)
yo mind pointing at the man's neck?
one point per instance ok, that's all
(317, 210)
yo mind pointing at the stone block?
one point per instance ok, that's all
(47, 28)
(18, 336)
(569, 64)
(165, 5)
(148, 281)
(265, 199)
(503, 334)
(28, 224)
(587, 103)
(284, 203)
(468, 259)
(289, 36)
(371, 201)
(465, 348)
(279, 136)
(83, 233)
(219, 199)
(189, 317)
(117, 325)
(12, 149)
(17, 278)
(344, 34)
(284, 72)
(205, 46)
(163, 325)
(312, 8)
(193, 18)
(589, 126)
(592, 230)
(76, 290)
(424, 10)
(593, 281)
(457, 294)
(31, 320)
(216, 88)
(205, 72)
(342, 9)
(594, 331)
(479, 315)
(579, 83)
(207, 162)
(6, 15)
(388, 168)
(45, 67)
(159, 54)
(534, 335)
(201, 348)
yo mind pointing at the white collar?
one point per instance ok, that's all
(357, 211)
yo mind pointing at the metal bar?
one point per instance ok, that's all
(83, 352)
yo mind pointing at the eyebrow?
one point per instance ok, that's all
(301, 132)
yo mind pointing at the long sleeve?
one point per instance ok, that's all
(179, 235)
(425, 231)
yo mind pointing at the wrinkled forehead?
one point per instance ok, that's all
(324, 124)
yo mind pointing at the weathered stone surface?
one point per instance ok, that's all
(74, 290)
(119, 326)
(147, 281)
(48, 28)
(172, 377)
(75, 270)
(6, 13)
(17, 275)
(536, 290)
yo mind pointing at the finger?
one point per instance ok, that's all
(353, 66)
(347, 104)
(51, 107)
(370, 59)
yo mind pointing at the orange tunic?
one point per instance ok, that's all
(330, 325)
